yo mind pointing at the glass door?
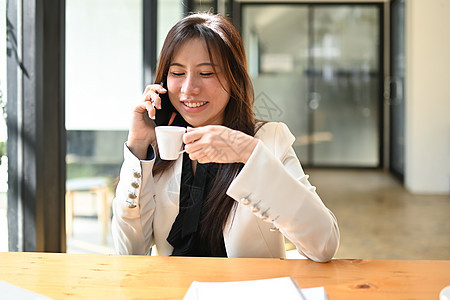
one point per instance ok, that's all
(317, 68)
(276, 43)
(345, 85)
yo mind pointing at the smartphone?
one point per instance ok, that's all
(163, 115)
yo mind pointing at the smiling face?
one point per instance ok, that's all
(197, 88)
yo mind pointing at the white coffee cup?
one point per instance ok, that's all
(170, 141)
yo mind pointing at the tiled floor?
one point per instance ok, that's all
(378, 218)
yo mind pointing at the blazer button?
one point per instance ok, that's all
(131, 204)
(245, 201)
(136, 174)
(132, 196)
(263, 216)
(255, 208)
(135, 184)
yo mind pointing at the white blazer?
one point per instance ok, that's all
(274, 199)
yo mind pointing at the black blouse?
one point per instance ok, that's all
(184, 235)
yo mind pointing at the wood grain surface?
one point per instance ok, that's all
(87, 276)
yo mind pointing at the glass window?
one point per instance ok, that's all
(103, 83)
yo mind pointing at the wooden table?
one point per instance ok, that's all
(138, 277)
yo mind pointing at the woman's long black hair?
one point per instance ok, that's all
(223, 40)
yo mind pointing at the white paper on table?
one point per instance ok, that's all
(11, 291)
(315, 293)
(274, 288)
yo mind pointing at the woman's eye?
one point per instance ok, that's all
(177, 74)
(206, 74)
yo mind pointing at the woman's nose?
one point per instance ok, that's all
(191, 85)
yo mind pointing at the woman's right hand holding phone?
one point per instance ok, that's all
(142, 129)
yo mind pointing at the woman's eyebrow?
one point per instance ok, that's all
(176, 64)
(206, 63)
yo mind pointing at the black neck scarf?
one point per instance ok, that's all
(185, 233)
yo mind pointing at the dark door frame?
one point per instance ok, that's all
(36, 125)
(396, 106)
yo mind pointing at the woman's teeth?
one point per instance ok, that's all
(194, 104)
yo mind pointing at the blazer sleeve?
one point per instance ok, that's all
(273, 185)
(132, 227)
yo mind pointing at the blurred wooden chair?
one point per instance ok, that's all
(99, 187)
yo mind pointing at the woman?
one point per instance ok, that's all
(239, 187)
